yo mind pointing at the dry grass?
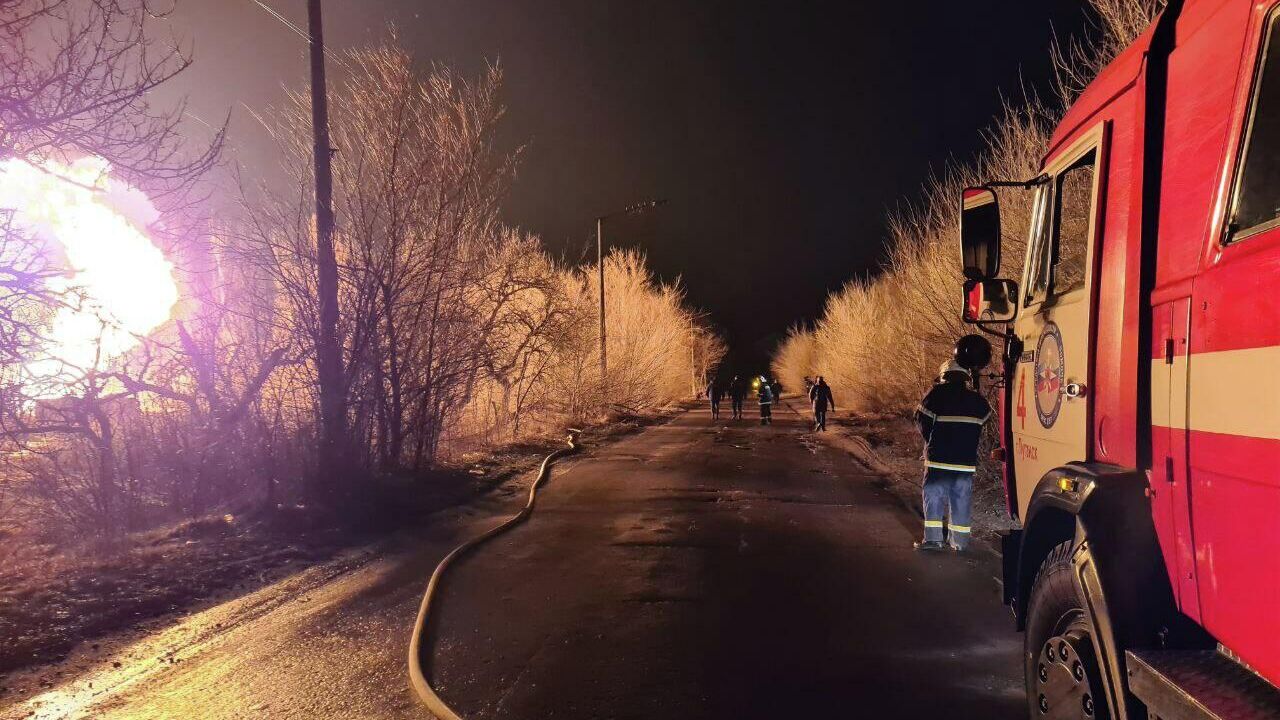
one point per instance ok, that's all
(881, 339)
(658, 352)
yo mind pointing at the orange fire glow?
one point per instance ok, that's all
(99, 224)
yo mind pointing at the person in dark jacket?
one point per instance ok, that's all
(737, 394)
(715, 393)
(950, 418)
(765, 393)
(776, 387)
(822, 399)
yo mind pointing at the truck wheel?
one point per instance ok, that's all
(1061, 668)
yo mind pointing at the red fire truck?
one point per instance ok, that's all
(1141, 379)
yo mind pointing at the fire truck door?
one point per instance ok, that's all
(1170, 481)
(1050, 410)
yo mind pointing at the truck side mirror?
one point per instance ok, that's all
(980, 234)
(990, 301)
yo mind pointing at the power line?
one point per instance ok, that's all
(299, 32)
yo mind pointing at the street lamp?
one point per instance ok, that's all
(635, 209)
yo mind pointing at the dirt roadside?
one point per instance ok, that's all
(890, 446)
(63, 613)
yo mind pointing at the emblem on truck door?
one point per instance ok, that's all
(1049, 375)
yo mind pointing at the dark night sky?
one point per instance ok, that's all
(779, 133)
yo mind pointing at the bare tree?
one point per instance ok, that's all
(851, 343)
(1078, 60)
(796, 358)
(75, 79)
(417, 182)
(457, 332)
(75, 82)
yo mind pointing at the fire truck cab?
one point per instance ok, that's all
(1140, 419)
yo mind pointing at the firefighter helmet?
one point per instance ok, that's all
(972, 352)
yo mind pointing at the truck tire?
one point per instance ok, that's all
(1061, 667)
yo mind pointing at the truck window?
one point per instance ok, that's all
(1074, 206)
(1257, 199)
(1060, 221)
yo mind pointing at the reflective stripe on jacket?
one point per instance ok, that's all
(951, 417)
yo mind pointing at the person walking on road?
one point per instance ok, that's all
(737, 394)
(766, 401)
(822, 399)
(715, 393)
(950, 418)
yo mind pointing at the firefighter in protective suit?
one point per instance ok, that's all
(950, 418)
(765, 394)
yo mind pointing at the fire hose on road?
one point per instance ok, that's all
(417, 675)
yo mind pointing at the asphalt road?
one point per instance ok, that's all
(695, 570)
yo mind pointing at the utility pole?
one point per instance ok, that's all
(693, 362)
(604, 366)
(333, 417)
(629, 210)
